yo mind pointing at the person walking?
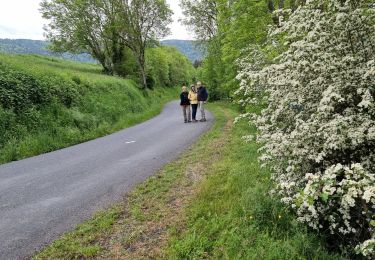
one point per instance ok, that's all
(202, 99)
(193, 98)
(185, 104)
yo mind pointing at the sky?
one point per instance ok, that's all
(20, 19)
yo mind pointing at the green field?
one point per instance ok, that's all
(47, 104)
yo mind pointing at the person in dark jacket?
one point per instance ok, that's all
(185, 104)
(202, 99)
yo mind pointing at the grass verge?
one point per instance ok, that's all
(212, 202)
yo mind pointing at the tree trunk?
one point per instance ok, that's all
(106, 69)
(142, 69)
(102, 60)
(117, 58)
(139, 54)
(143, 76)
(142, 66)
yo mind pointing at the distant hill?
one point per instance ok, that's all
(24, 46)
(188, 48)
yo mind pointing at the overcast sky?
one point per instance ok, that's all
(20, 19)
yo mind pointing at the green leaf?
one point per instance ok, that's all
(324, 197)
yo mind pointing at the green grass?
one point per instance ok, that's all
(224, 213)
(234, 217)
(102, 105)
(81, 242)
(130, 216)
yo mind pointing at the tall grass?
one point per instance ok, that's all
(233, 215)
(99, 105)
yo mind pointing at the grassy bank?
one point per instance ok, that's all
(232, 215)
(212, 202)
(47, 104)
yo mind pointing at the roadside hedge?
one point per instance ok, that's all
(20, 91)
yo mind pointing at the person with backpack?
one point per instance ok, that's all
(185, 104)
(202, 99)
(193, 98)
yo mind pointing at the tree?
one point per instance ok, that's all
(244, 22)
(166, 66)
(141, 23)
(318, 127)
(226, 29)
(201, 17)
(85, 26)
(105, 28)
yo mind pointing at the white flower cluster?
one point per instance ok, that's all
(367, 248)
(318, 127)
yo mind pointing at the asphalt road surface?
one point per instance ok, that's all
(43, 196)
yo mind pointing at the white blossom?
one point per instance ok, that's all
(318, 127)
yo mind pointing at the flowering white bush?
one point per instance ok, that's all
(318, 127)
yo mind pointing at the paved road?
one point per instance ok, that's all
(43, 196)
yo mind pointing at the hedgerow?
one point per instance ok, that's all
(20, 90)
(318, 127)
(47, 104)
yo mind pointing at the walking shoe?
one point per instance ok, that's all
(189, 121)
(203, 120)
(194, 120)
(186, 121)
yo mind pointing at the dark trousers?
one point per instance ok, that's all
(194, 107)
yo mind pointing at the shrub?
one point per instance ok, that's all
(23, 97)
(318, 127)
(21, 90)
(7, 122)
